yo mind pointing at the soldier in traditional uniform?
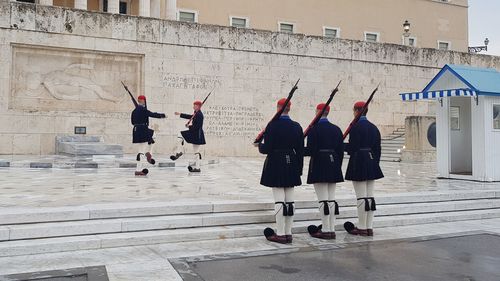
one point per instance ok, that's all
(194, 135)
(363, 169)
(142, 135)
(325, 145)
(284, 146)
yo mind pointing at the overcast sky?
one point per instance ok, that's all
(484, 21)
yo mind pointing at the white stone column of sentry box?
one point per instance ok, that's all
(46, 2)
(114, 6)
(81, 4)
(171, 9)
(145, 8)
(155, 8)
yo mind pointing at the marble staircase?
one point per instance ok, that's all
(392, 146)
(41, 230)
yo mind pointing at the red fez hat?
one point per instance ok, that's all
(197, 102)
(321, 106)
(141, 97)
(282, 101)
(359, 104)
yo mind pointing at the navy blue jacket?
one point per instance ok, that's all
(140, 119)
(364, 149)
(194, 134)
(284, 146)
(326, 148)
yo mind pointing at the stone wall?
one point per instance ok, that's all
(62, 68)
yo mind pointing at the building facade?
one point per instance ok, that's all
(62, 69)
(441, 24)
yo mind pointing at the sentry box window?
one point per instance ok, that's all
(496, 116)
(80, 130)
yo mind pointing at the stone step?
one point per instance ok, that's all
(89, 242)
(100, 226)
(12, 216)
(393, 141)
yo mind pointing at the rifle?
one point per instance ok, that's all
(131, 96)
(318, 116)
(360, 113)
(260, 136)
(192, 116)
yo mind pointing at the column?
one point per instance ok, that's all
(114, 6)
(171, 9)
(46, 2)
(144, 8)
(155, 8)
(81, 4)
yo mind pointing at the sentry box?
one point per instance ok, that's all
(467, 121)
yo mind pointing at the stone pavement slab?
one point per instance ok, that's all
(230, 179)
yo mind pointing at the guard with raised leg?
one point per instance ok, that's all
(363, 169)
(325, 145)
(193, 135)
(142, 135)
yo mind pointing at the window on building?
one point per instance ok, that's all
(104, 5)
(187, 16)
(27, 1)
(123, 7)
(239, 22)
(496, 116)
(330, 32)
(371, 37)
(412, 41)
(286, 27)
(443, 46)
(454, 118)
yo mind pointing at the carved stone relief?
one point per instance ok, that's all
(45, 78)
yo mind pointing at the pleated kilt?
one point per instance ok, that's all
(325, 166)
(142, 133)
(281, 169)
(362, 166)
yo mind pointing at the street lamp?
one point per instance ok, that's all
(406, 27)
(406, 32)
(480, 48)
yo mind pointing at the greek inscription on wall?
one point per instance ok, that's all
(178, 81)
(229, 120)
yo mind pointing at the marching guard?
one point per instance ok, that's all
(363, 168)
(283, 143)
(325, 145)
(142, 135)
(193, 135)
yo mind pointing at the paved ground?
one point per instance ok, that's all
(231, 179)
(154, 262)
(467, 257)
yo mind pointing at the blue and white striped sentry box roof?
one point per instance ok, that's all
(438, 94)
(463, 80)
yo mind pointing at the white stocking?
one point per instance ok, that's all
(331, 205)
(279, 196)
(197, 156)
(322, 194)
(289, 199)
(369, 193)
(179, 148)
(360, 189)
(141, 150)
